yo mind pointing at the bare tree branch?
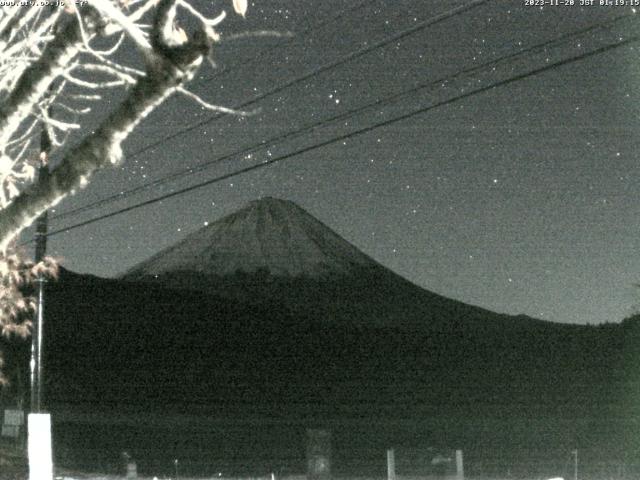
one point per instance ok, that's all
(47, 61)
(35, 80)
(172, 66)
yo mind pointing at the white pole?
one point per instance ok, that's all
(459, 465)
(391, 465)
(39, 445)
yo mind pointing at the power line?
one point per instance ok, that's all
(225, 70)
(309, 127)
(349, 57)
(329, 66)
(361, 131)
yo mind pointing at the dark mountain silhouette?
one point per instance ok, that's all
(267, 313)
(273, 249)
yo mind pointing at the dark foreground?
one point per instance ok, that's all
(206, 446)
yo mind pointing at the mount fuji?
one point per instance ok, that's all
(273, 250)
(270, 235)
(268, 313)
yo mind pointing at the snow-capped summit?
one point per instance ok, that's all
(269, 234)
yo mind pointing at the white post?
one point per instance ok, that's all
(391, 465)
(39, 445)
(459, 465)
(132, 470)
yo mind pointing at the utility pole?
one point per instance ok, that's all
(39, 422)
(575, 464)
(38, 324)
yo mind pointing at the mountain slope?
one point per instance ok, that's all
(269, 234)
(114, 347)
(273, 249)
(350, 324)
(223, 326)
(127, 343)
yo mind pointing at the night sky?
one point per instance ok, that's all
(519, 199)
